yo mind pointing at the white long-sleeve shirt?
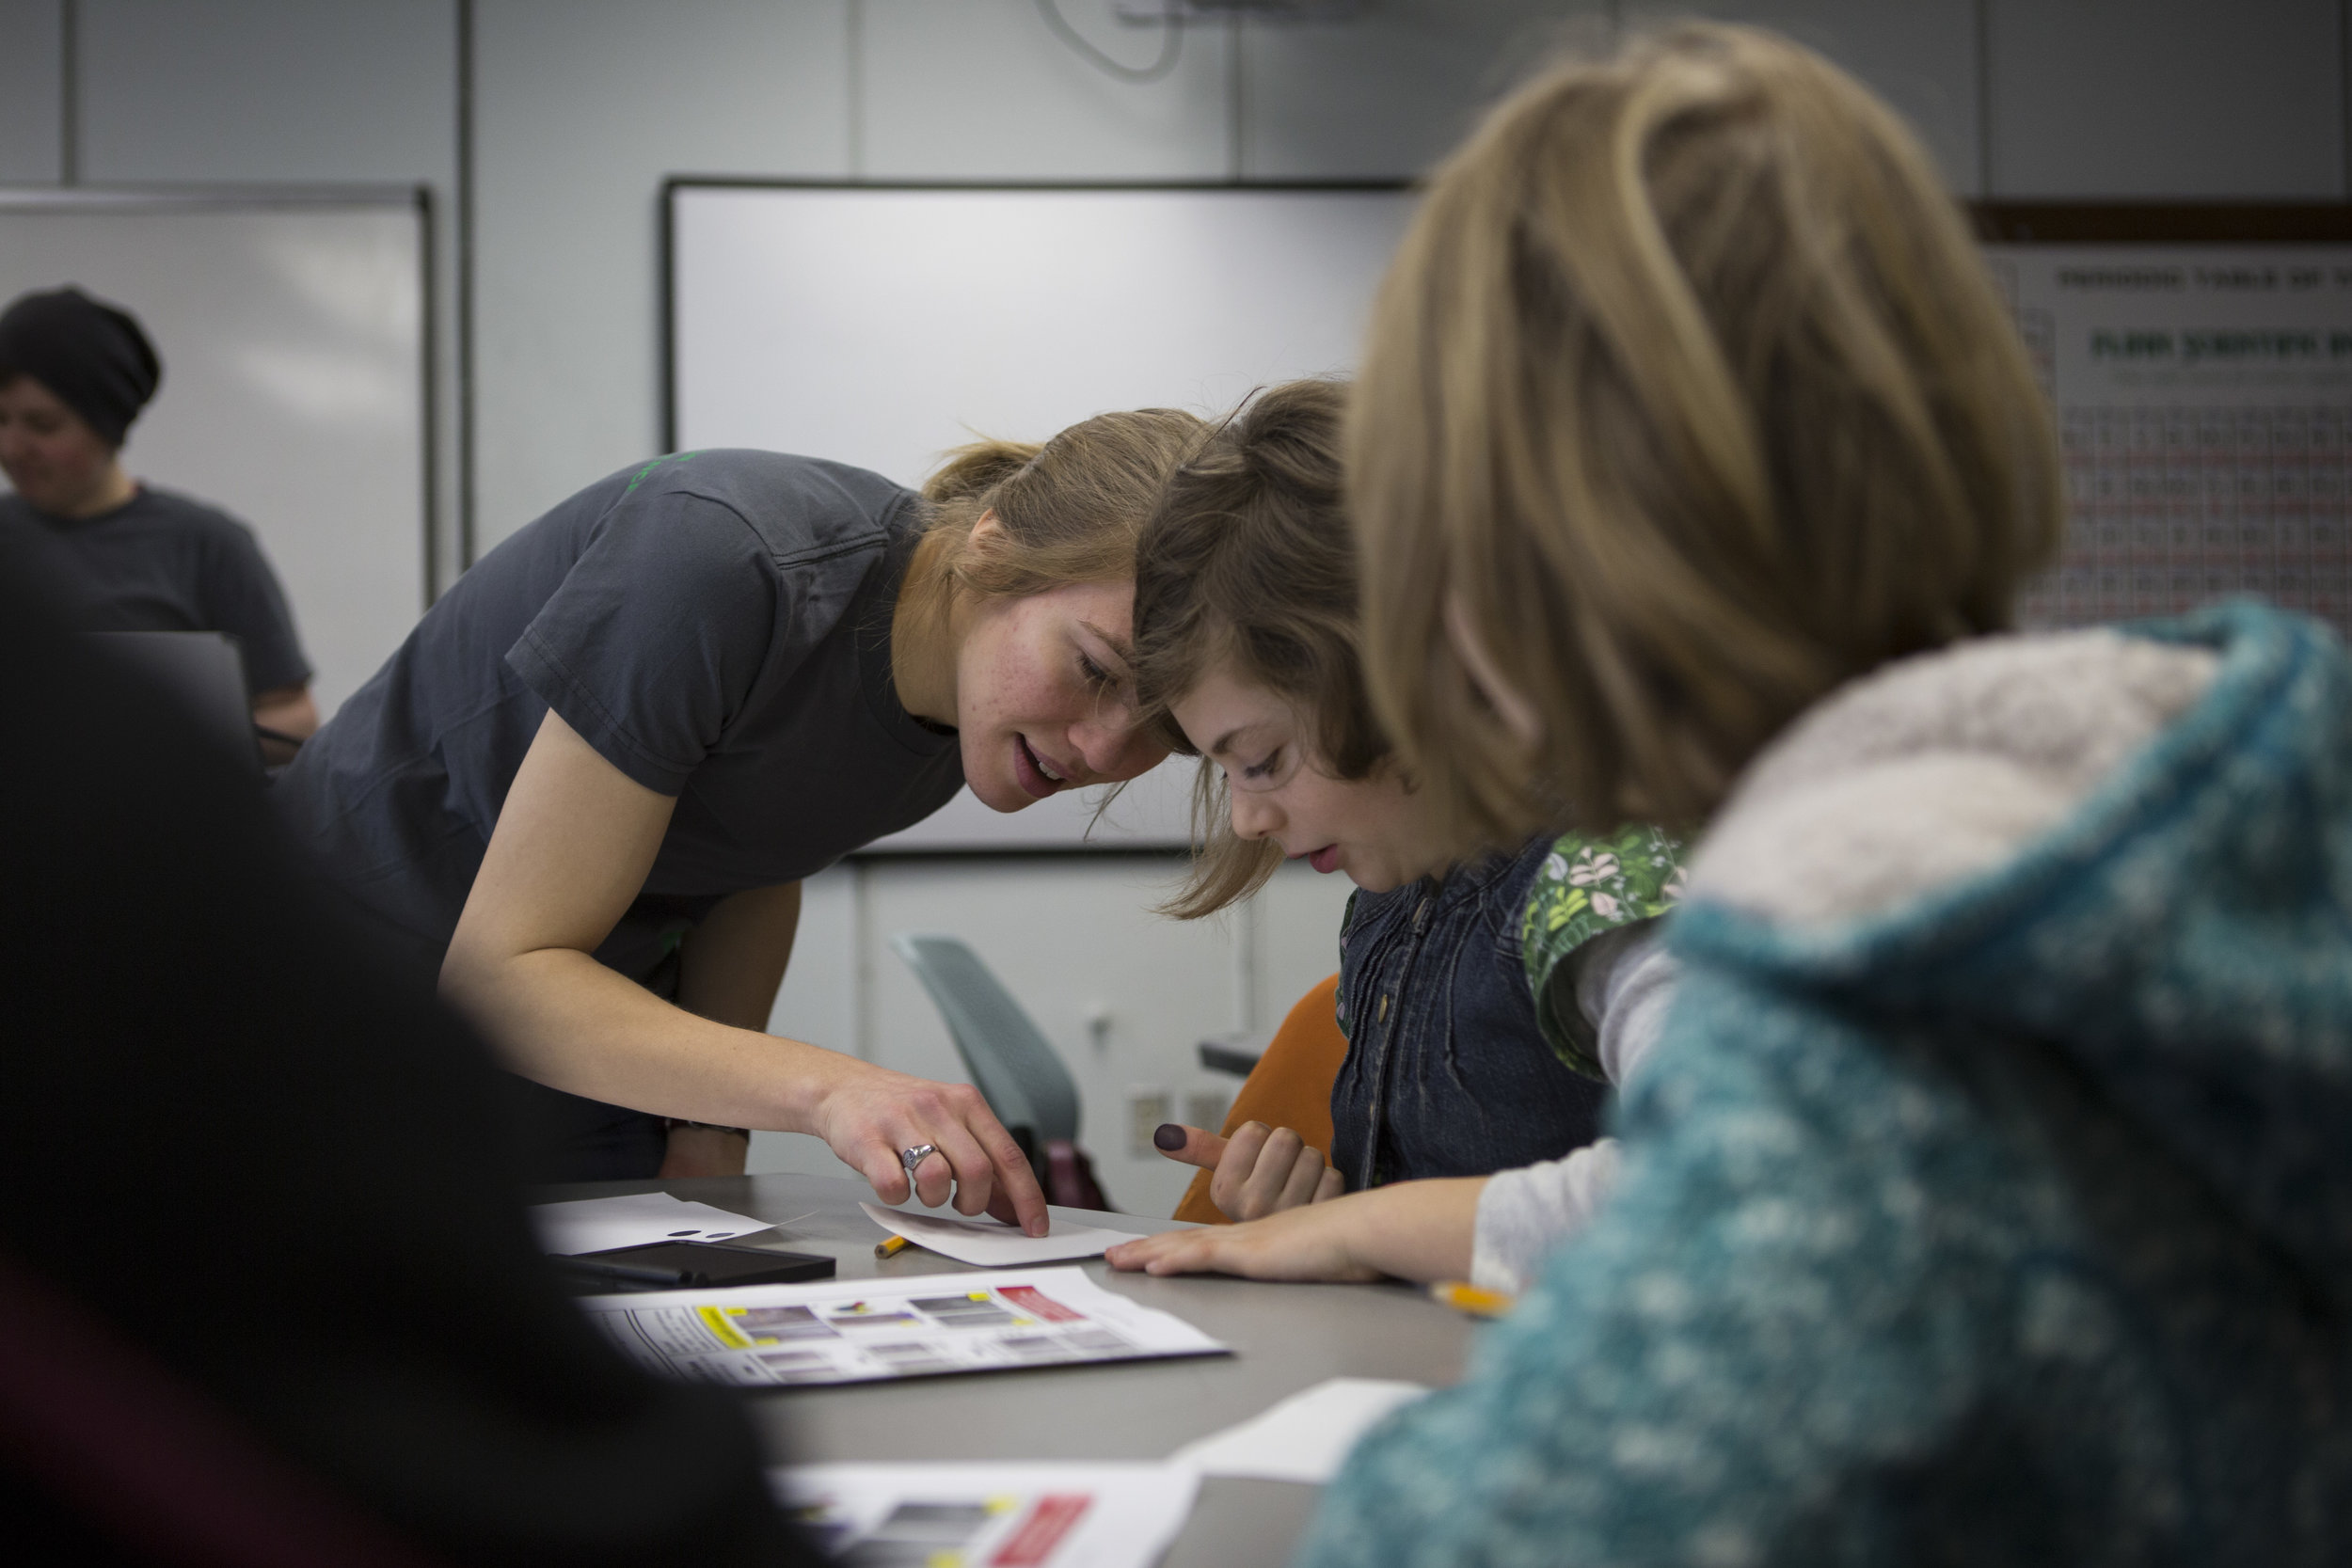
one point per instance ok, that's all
(1622, 981)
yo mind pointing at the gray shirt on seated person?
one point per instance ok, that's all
(163, 562)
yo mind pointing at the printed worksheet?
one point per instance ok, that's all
(1305, 1437)
(866, 1330)
(1039, 1515)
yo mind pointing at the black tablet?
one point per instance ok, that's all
(690, 1265)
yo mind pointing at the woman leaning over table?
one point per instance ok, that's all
(588, 786)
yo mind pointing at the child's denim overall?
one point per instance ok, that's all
(1447, 1072)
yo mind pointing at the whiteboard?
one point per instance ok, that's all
(881, 325)
(292, 328)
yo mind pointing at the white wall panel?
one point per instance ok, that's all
(1921, 55)
(215, 92)
(982, 89)
(245, 93)
(1385, 93)
(2162, 99)
(584, 106)
(1388, 93)
(32, 96)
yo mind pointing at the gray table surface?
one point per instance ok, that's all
(1285, 1338)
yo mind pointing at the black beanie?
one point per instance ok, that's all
(90, 355)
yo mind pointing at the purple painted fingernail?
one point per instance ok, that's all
(1169, 1136)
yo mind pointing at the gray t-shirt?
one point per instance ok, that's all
(715, 623)
(164, 562)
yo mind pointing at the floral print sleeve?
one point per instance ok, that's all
(1588, 885)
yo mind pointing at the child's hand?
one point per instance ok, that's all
(1260, 1170)
(1298, 1244)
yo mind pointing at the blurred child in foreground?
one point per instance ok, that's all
(1988, 1196)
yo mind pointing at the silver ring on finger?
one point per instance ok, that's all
(913, 1157)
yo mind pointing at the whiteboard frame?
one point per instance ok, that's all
(419, 198)
(677, 185)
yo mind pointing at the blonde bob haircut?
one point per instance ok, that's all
(1688, 397)
(1071, 510)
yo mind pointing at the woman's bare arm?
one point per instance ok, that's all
(288, 709)
(572, 847)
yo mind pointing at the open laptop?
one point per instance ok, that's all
(204, 672)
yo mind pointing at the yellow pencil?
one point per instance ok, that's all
(885, 1250)
(1469, 1298)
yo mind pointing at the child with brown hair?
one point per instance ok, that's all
(1988, 1197)
(1489, 998)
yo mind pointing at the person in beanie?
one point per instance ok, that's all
(74, 372)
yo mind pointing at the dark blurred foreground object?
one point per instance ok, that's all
(266, 1291)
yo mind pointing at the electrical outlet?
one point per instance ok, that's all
(1147, 1107)
(1207, 1108)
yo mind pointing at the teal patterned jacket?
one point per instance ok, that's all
(2010, 1227)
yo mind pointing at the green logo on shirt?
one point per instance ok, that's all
(648, 469)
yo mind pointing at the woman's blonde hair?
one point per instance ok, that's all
(1247, 562)
(1070, 509)
(1690, 394)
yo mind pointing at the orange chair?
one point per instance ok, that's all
(1291, 1087)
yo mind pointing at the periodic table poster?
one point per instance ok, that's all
(2203, 399)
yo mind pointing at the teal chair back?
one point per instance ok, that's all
(1016, 1071)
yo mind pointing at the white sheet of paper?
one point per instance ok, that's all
(1303, 1437)
(1045, 1516)
(870, 1330)
(987, 1243)
(596, 1224)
